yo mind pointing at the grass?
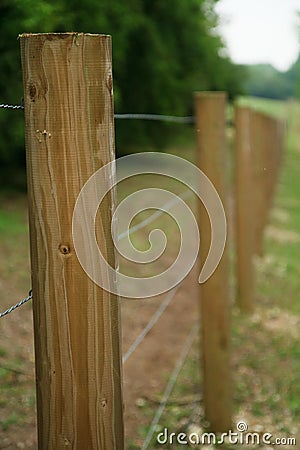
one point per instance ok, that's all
(14, 244)
(13, 222)
(17, 390)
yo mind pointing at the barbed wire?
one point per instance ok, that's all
(171, 383)
(138, 116)
(12, 308)
(5, 106)
(160, 310)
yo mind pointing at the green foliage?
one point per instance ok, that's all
(265, 81)
(162, 52)
(17, 16)
(293, 76)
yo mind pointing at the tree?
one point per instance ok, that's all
(17, 16)
(163, 51)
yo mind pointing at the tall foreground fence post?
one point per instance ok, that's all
(69, 135)
(214, 293)
(244, 230)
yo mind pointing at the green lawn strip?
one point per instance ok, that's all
(11, 224)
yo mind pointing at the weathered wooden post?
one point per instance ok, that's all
(273, 149)
(268, 167)
(280, 138)
(276, 150)
(214, 293)
(244, 209)
(257, 142)
(69, 135)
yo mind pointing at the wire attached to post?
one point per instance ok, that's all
(12, 308)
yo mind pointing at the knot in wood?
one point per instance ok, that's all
(32, 92)
(64, 249)
(104, 403)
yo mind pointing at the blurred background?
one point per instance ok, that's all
(170, 47)
(163, 51)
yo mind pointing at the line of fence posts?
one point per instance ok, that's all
(76, 323)
(259, 146)
(258, 151)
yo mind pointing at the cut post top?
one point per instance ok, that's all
(62, 35)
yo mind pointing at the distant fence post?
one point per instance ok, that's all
(273, 158)
(268, 150)
(267, 145)
(258, 137)
(69, 135)
(244, 230)
(214, 293)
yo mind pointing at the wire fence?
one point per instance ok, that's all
(154, 216)
(5, 106)
(17, 305)
(166, 207)
(158, 313)
(165, 303)
(171, 383)
(157, 117)
(130, 116)
(170, 295)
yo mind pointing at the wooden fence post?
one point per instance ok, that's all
(69, 135)
(268, 168)
(214, 293)
(257, 141)
(276, 149)
(244, 209)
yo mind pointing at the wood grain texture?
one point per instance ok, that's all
(69, 135)
(214, 293)
(244, 229)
